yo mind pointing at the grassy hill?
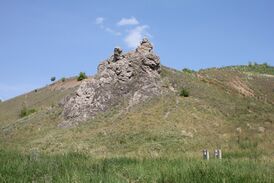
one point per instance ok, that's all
(231, 108)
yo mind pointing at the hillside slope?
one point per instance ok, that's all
(227, 108)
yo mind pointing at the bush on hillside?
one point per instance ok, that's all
(184, 93)
(53, 78)
(263, 68)
(82, 76)
(63, 79)
(25, 111)
(265, 64)
(186, 70)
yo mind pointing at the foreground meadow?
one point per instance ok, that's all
(75, 167)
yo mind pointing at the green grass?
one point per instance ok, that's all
(168, 125)
(76, 167)
(257, 68)
(159, 140)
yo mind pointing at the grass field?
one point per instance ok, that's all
(159, 140)
(77, 167)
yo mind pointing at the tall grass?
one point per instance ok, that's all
(74, 167)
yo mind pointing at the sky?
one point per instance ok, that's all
(40, 39)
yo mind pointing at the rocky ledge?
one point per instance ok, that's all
(123, 78)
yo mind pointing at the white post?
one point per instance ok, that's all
(216, 153)
(205, 154)
(219, 154)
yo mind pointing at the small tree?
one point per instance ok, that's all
(184, 93)
(63, 79)
(82, 76)
(53, 79)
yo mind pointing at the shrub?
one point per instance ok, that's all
(53, 78)
(250, 64)
(184, 93)
(25, 111)
(186, 70)
(265, 64)
(63, 79)
(82, 76)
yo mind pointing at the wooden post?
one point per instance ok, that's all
(205, 154)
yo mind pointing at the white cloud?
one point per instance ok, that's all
(116, 33)
(128, 21)
(132, 37)
(136, 35)
(99, 20)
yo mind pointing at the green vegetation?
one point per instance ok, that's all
(53, 78)
(26, 111)
(184, 93)
(168, 125)
(77, 167)
(255, 68)
(186, 70)
(159, 140)
(82, 76)
(63, 79)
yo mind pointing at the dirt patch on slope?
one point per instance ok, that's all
(241, 87)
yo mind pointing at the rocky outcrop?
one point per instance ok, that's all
(123, 78)
(117, 54)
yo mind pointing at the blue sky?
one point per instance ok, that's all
(40, 39)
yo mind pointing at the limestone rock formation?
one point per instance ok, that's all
(117, 54)
(145, 46)
(123, 78)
